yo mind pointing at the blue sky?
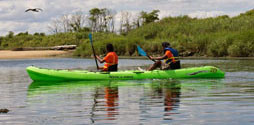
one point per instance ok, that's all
(13, 16)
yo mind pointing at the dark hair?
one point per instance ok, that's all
(110, 47)
(165, 44)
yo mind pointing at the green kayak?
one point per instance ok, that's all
(42, 74)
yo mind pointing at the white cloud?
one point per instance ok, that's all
(13, 17)
(12, 26)
(203, 14)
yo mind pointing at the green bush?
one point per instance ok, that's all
(219, 36)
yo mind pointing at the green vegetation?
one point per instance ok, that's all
(219, 36)
(37, 40)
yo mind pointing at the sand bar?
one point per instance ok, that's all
(7, 54)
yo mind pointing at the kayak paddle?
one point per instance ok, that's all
(143, 53)
(91, 41)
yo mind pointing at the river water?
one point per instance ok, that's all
(175, 101)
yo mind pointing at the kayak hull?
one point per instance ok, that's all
(42, 74)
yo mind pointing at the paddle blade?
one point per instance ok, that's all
(90, 37)
(141, 51)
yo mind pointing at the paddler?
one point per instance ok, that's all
(111, 59)
(170, 57)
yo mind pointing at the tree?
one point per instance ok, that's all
(149, 17)
(22, 34)
(94, 18)
(108, 21)
(65, 23)
(77, 21)
(42, 34)
(36, 34)
(136, 21)
(55, 26)
(1, 39)
(10, 35)
(68, 23)
(102, 20)
(125, 25)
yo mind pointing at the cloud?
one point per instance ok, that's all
(203, 14)
(13, 17)
(12, 26)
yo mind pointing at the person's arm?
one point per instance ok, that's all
(159, 58)
(100, 60)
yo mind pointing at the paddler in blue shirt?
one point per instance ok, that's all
(170, 57)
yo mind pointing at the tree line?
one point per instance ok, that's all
(102, 20)
(215, 36)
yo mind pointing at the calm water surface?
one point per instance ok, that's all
(183, 101)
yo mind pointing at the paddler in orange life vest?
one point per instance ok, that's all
(111, 59)
(170, 58)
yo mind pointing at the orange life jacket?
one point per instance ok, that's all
(170, 57)
(111, 59)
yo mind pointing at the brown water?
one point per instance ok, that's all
(183, 101)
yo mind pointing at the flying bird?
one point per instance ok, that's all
(34, 10)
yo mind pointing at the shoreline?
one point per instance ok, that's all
(8, 54)
(190, 57)
(33, 54)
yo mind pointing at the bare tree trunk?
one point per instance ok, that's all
(55, 26)
(125, 25)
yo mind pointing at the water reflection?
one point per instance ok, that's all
(111, 96)
(110, 103)
(145, 101)
(104, 101)
(172, 100)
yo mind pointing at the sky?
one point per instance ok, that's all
(14, 18)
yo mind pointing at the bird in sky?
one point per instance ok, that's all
(34, 10)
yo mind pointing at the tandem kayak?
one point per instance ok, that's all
(43, 74)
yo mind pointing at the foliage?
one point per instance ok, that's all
(101, 20)
(150, 17)
(219, 36)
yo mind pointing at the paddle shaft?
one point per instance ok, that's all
(150, 58)
(95, 59)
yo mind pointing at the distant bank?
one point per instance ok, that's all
(8, 54)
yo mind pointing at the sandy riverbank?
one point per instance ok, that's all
(7, 54)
